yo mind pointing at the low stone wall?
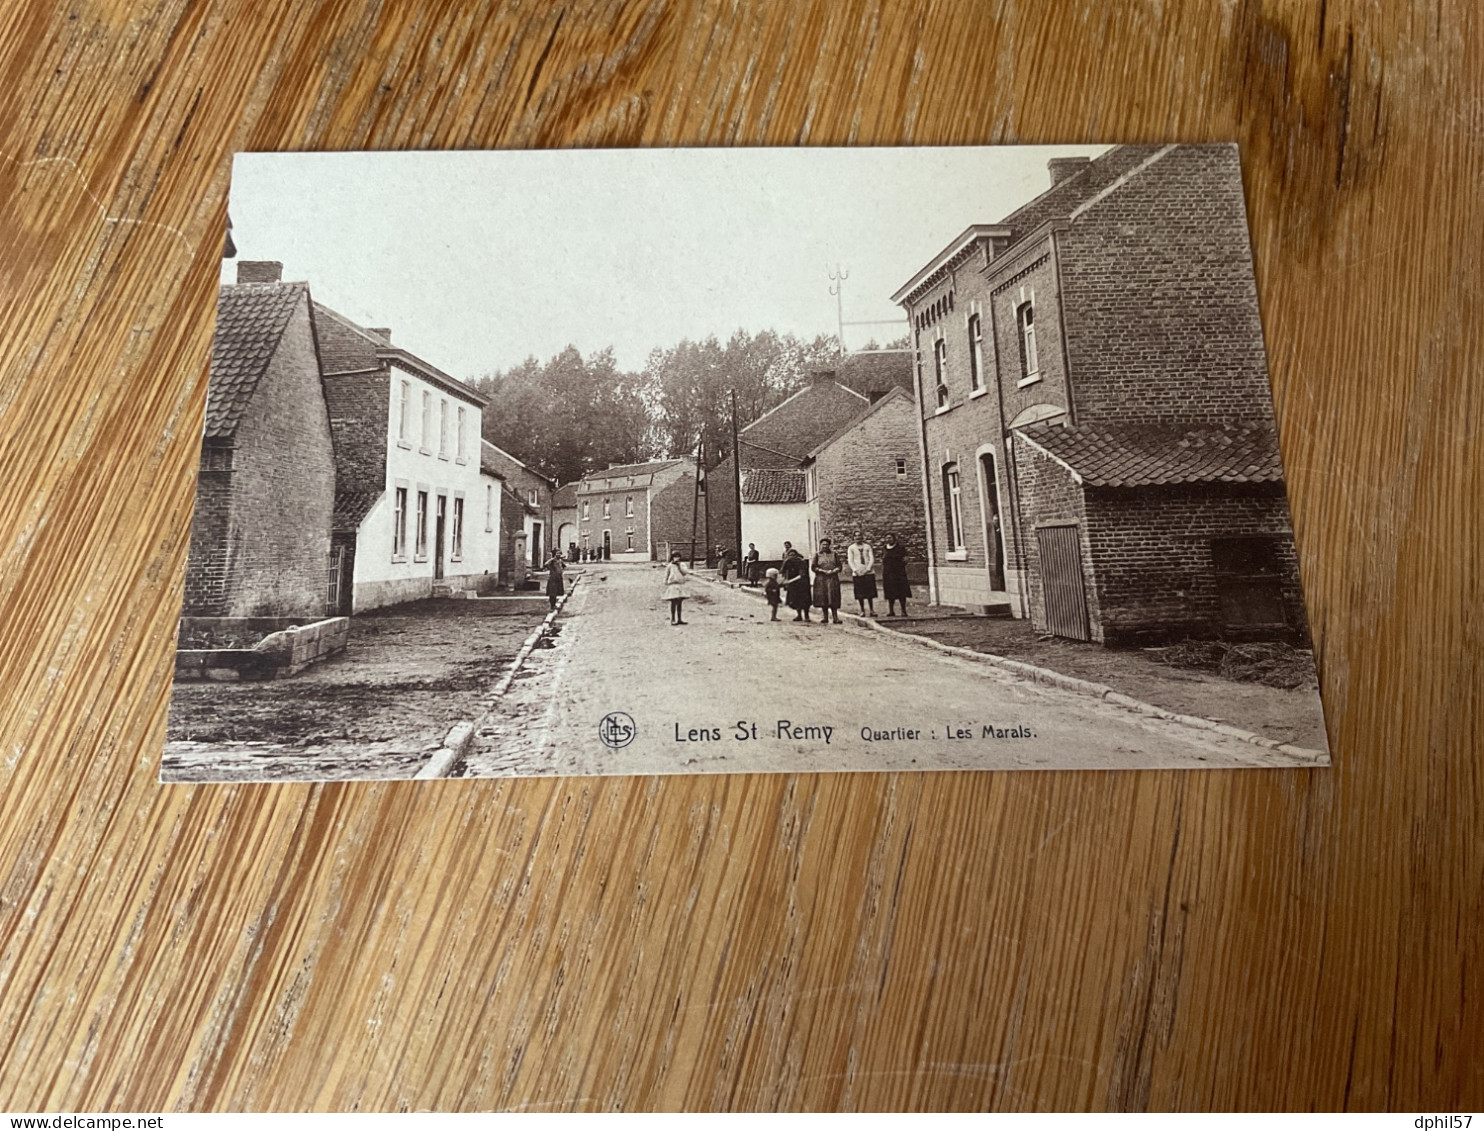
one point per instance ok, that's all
(276, 656)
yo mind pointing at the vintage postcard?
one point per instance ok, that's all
(735, 461)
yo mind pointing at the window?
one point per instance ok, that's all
(404, 410)
(443, 428)
(628, 507)
(456, 535)
(901, 469)
(586, 509)
(605, 508)
(953, 507)
(421, 528)
(534, 496)
(976, 353)
(427, 420)
(460, 451)
(940, 363)
(629, 538)
(1025, 318)
(489, 506)
(399, 524)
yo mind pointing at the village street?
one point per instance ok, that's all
(731, 691)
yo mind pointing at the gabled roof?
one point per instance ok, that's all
(896, 394)
(794, 427)
(624, 470)
(498, 462)
(250, 320)
(755, 455)
(768, 485)
(870, 372)
(1146, 455)
(564, 496)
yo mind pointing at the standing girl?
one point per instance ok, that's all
(675, 575)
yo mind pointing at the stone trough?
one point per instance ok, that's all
(286, 647)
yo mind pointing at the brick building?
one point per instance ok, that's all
(821, 459)
(408, 488)
(260, 533)
(637, 511)
(525, 507)
(1095, 413)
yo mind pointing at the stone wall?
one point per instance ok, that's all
(858, 486)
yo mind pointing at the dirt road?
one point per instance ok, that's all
(376, 711)
(732, 691)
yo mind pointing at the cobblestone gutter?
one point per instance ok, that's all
(461, 735)
(1066, 682)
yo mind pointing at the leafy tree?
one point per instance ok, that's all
(568, 416)
(571, 415)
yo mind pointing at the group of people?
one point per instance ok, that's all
(804, 585)
(801, 584)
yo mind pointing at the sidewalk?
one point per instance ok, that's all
(1288, 716)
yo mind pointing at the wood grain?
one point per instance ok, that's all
(1244, 939)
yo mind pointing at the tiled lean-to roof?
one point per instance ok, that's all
(351, 509)
(772, 486)
(250, 319)
(1153, 455)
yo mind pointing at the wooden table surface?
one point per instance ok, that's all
(1249, 939)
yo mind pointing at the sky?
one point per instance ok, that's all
(478, 260)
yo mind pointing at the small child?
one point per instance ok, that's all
(675, 575)
(773, 592)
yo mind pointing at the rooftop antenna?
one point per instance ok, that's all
(837, 288)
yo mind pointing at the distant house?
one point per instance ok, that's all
(564, 518)
(637, 511)
(525, 513)
(260, 533)
(408, 486)
(1095, 409)
(823, 460)
(868, 477)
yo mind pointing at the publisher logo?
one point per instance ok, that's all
(617, 730)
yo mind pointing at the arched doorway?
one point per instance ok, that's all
(994, 533)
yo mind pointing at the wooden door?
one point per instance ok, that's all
(438, 528)
(1062, 583)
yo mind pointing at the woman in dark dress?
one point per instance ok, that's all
(827, 566)
(894, 576)
(795, 574)
(555, 585)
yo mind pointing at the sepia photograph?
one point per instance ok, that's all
(737, 461)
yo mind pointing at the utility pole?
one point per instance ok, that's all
(736, 476)
(837, 288)
(695, 506)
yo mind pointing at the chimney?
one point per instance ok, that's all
(1061, 168)
(259, 271)
(822, 377)
(382, 334)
